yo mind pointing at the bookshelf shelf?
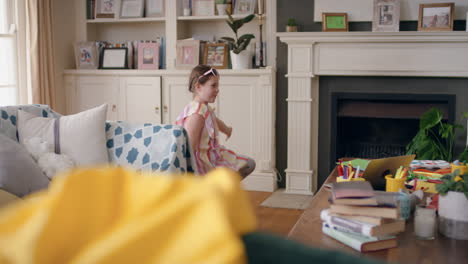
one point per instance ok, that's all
(126, 20)
(208, 18)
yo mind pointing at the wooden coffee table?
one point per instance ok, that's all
(308, 230)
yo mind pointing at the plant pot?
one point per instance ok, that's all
(242, 60)
(453, 215)
(221, 8)
(291, 28)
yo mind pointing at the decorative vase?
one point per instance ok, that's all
(453, 215)
(242, 60)
(222, 9)
(291, 28)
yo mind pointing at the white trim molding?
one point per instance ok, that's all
(315, 54)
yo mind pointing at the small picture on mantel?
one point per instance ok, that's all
(334, 22)
(386, 16)
(436, 17)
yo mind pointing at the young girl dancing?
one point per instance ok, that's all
(202, 126)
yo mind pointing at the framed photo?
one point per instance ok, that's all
(131, 8)
(106, 8)
(148, 55)
(216, 55)
(386, 16)
(86, 55)
(154, 8)
(245, 7)
(436, 17)
(334, 22)
(114, 58)
(188, 53)
(203, 7)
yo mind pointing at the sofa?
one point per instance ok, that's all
(146, 147)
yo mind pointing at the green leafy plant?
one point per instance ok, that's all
(292, 22)
(239, 43)
(453, 182)
(435, 138)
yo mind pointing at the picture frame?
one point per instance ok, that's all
(188, 53)
(334, 22)
(114, 58)
(86, 55)
(131, 8)
(216, 55)
(436, 17)
(245, 7)
(106, 9)
(203, 7)
(148, 55)
(154, 8)
(386, 16)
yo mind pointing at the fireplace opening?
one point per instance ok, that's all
(380, 125)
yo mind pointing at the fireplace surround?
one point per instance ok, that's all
(313, 55)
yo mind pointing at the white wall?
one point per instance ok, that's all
(64, 37)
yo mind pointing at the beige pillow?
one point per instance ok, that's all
(81, 136)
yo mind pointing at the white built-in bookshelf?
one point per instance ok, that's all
(174, 26)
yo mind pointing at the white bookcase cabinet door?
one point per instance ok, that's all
(96, 90)
(175, 97)
(141, 99)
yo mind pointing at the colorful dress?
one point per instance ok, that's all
(210, 153)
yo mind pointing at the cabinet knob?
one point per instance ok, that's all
(156, 109)
(165, 108)
(114, 108)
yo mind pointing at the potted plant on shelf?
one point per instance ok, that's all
(453, 205)
(221, 7)
(291, 26)
(240, 56)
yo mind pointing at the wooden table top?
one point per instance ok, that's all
(308, 230)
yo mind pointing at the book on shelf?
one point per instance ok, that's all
(359, 242)
(384, 212)
(353, 193)
(366, 229)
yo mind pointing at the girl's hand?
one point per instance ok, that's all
(228, 132)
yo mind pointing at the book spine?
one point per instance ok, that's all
(346, 225)
(88, 9)
(343, 238)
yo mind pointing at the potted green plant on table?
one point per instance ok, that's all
(435, 138)
(240, 56)
(453, 205)
(291, 26)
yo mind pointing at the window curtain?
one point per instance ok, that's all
(39, 52)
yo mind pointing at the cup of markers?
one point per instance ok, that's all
(348, 173)
(394, 184)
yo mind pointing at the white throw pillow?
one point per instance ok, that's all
(81, 136)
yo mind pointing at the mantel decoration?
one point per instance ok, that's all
(334, 22)
(386, 16)
(291, 26)
(436, 17)
(240, 56)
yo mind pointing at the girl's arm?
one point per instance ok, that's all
(227, 130)
(194, 126)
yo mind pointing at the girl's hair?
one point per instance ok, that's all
(197, 75)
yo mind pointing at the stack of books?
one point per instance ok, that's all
(361, 218)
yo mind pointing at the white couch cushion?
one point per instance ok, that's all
(81, 136)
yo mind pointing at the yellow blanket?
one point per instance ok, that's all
(114, 215)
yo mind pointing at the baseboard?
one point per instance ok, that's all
(260, 181)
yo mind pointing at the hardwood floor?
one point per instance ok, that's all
(277, 220)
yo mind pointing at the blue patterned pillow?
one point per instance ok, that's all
(149, 147)
(9, 117)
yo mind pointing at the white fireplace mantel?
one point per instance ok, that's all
(314, 54)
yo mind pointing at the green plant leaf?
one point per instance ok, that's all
(248, 18)
(465, 114)
(430, 118)
(244, 38)
(228, 39)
